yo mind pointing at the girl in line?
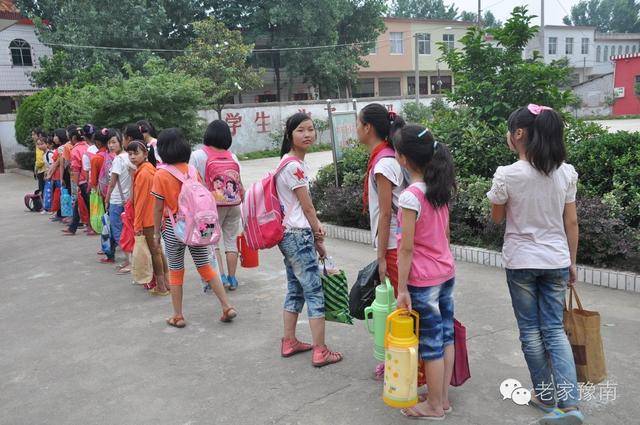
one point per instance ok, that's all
(537, 197)
(79, 177)
(175, 152)
(143, 204)
(55, 172)
(149, 137)
(302, 243)
(426, 266)
(383, 184)
(222, 164)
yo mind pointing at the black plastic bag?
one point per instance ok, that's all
(363, 292)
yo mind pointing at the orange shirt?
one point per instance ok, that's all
(66, 154)
(167, 187)
(96, 165)
(143, 200)
(56, 172)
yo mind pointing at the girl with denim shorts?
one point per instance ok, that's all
(537, 197)
(301, 245)
(426, 270)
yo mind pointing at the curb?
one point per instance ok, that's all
(625, 281)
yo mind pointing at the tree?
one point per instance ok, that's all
(423, 9)
(606, 15)
(488, 19)
(218, 58)
(149, 24)
(494, 80)
(305, 23)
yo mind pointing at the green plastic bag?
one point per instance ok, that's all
(96, 210)
(336, 297)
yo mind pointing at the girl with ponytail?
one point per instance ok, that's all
(383, 184)
(537, 197)
(426, 268)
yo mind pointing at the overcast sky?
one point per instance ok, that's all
(554, 12)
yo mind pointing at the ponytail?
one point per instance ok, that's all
(544, 146)
(418, 146)
(385, 123)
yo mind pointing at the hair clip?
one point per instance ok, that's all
(537, 109)
(423, 132)
(104, 131)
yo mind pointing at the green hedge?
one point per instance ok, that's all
(26, 160)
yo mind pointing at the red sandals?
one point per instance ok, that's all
(322, 356)
(289, 347)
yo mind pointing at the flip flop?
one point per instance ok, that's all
(176, 322)
(420, 418)
(560, 417)
(228, 314)
(538, 404)
(157, 293)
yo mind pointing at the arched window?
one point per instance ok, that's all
(619, 50)
(626, 49)
(20, 53)
(634, 49)
(598, 51)
(605, 57)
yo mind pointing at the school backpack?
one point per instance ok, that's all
(33, 201)
(262, 212)
(222, 177)
(196, 223)
(105, 170)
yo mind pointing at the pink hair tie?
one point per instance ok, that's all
(537, 109)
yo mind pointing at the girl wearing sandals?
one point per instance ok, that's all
(302, 243)
(426, 266)
(175, 151)
(537, 197)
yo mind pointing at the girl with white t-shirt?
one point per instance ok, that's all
(537, 197)
(383, 184)
(302, 243)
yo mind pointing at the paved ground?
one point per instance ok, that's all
(621, 125)
(80, 345)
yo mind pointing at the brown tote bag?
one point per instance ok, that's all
(583, 330)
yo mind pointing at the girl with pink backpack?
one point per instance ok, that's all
(303, 242)
(218, 168)
(169, 192)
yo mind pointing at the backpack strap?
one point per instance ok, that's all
(286, 162)
(213, 154)
(173, 170)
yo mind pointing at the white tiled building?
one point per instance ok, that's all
(613, 44)
(19, 53)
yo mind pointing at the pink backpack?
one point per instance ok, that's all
(262, 212)
(196, 223)
(103, 176)
(222, 178)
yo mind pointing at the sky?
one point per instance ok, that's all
(553, 9)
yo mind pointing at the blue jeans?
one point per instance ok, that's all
(434, 304)
(538, 298)
(115, 223)
(303, 273)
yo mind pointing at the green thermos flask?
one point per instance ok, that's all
(383, 305)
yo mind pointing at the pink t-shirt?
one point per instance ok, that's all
(432, 262)
(77, 152)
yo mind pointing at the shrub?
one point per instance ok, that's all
(26, 160)
(67, 105)
(416, 113)
(30, 115)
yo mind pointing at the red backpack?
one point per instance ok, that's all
(222, 177)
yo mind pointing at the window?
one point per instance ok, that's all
(637, 86)
(598, 51)
(389, 86)
(553, 45)
(633, 49)
(448, 40)
(626, 50)
(373, 48)
(605, 57)
(397, 43)
(440, 84)
(569, 46)
(424, 85)
(301, 96)
(262, 98)
(613, 50)
(619, 50)
(585, 46)
(364, 88)
(424, 44)
(20, 53)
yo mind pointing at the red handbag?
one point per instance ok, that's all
(127, 237)
(83, 209)
(461, 370)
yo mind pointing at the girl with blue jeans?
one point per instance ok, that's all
(301, 245)
(537, 197)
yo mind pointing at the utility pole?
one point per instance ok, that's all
(417, 69)
(479, 13)
(542, 49)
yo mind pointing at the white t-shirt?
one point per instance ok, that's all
(409, 201)
(86, 159)
(123, 167)
(293, 176)
(389, 168)
(198, 160)
(534, 237)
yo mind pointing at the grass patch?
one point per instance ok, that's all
(274, 153)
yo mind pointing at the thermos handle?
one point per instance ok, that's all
(367, 310)
(413, 365)
(390, 297)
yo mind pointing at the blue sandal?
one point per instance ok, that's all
(560, 417)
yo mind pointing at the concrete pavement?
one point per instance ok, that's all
(614, 126)
(80, 345)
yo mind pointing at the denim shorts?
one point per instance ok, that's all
(303, 273)
(434, 304)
